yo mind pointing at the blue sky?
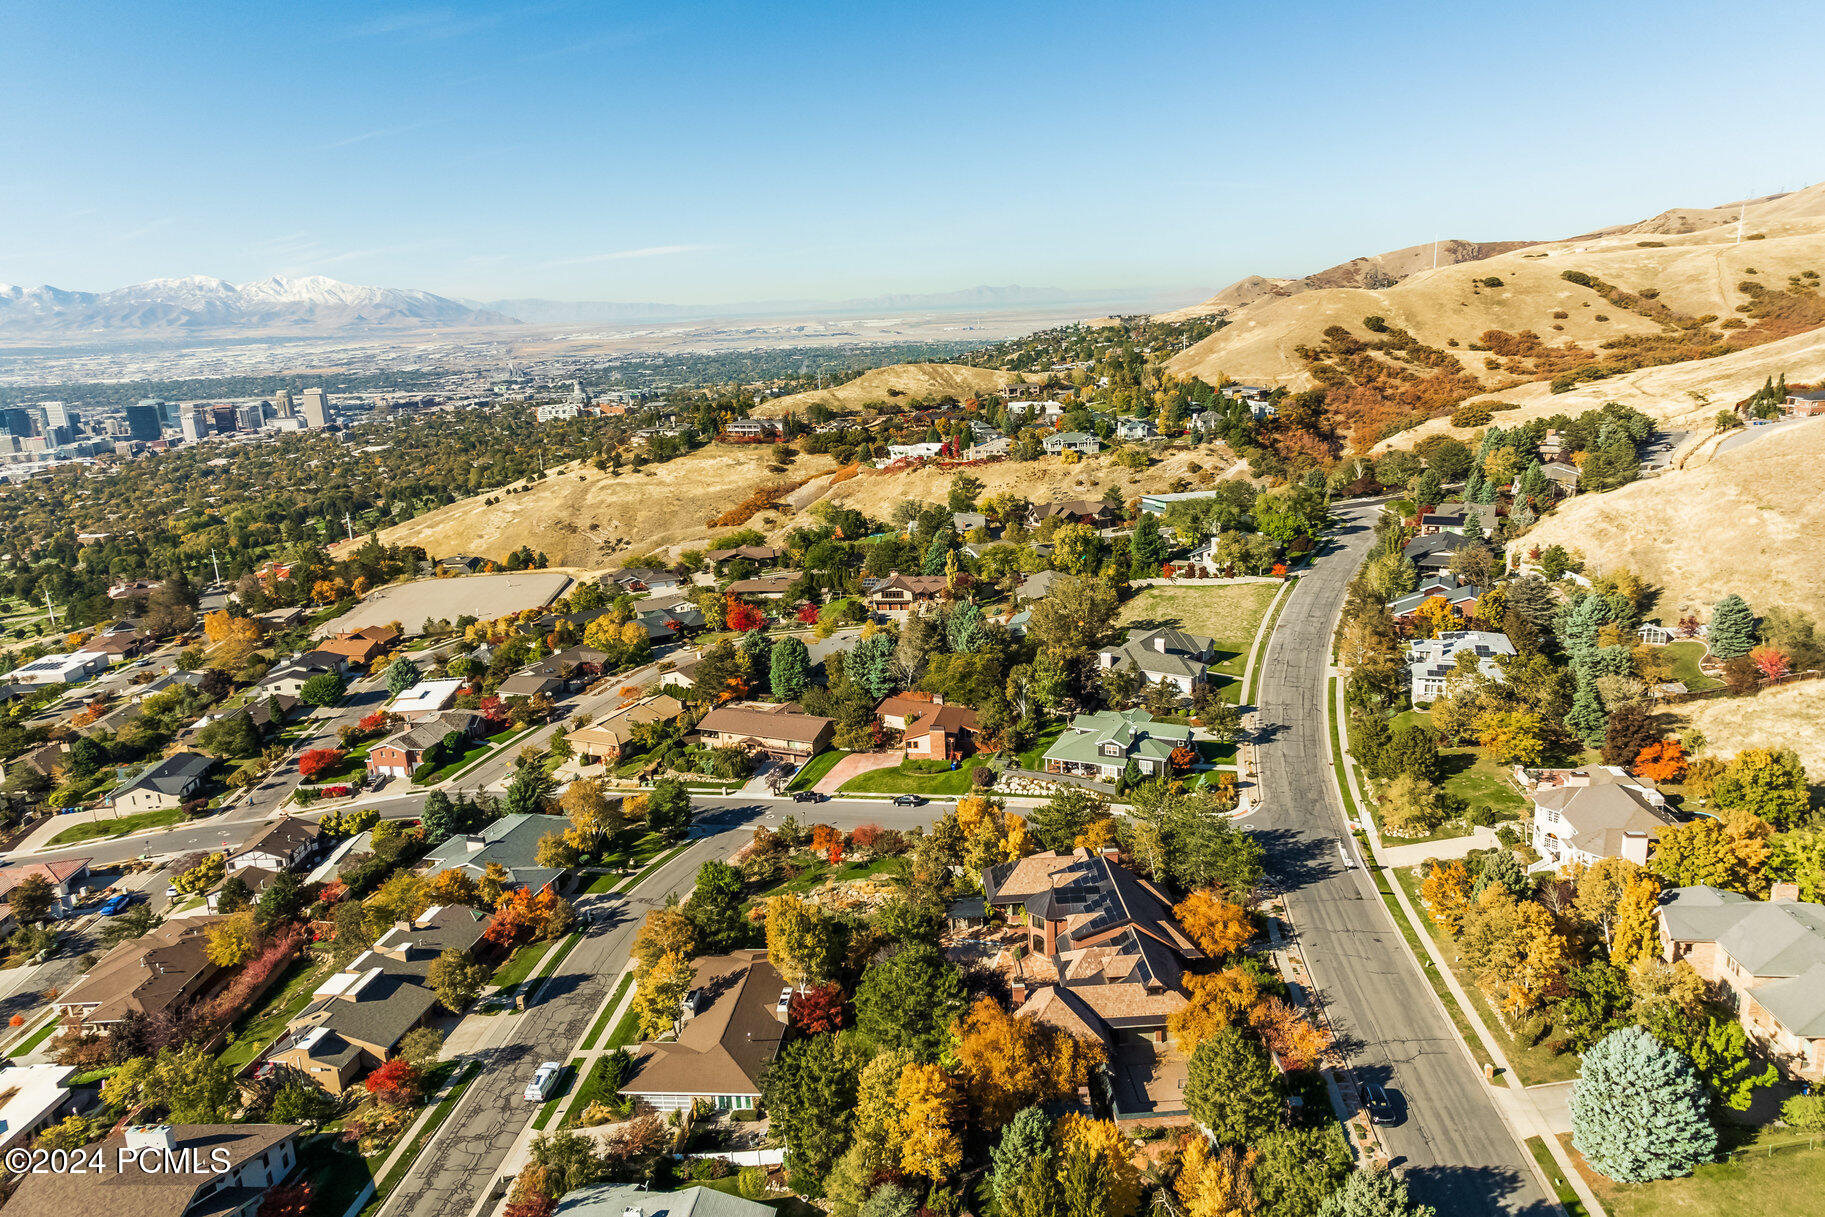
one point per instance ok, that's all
(723, 152)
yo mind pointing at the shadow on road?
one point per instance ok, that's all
(1295, 859)
(1473, 1189)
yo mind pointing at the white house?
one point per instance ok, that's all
(901, 452)
(1584, 815)
(559, 410)
(1431, 661)
(424, 699)
(1164, 654)
(1073, 441)
(1135, 428)
(68, 669)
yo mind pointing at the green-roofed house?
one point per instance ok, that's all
(1101, 745)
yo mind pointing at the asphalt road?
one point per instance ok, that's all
(1453, 1148)
(455, 1173)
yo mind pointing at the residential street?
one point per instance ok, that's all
(452, 1176)
(1453, 1147)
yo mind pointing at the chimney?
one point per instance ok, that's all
(1784, 891)
(1159, 642)
(1635, 847)
(150, 1136)
(1017, 990)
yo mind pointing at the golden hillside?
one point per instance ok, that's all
(899, 383)
(1746, 521)
(1650, 287)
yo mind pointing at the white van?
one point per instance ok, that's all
(543, 1082)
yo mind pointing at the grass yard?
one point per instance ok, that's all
(1471, 777)
(1686, 655)
(99, 830)
(1034, 757)
(791, 1206)
(814, 769)
(25, 1046)
(595, 1085)
(520, 964)
(478, 750)
(1229, 613)
(608, 1011)
(1568, 1195)
(1775, 1174)
(913, 777)
(262, 1026)
(821, 872)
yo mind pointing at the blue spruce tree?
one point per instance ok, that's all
(1639, 1110)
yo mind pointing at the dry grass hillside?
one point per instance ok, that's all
(1651, 295)
(582, 518)
(901, 383)
(1682, 396)
(1747, 521)
(1791, 716)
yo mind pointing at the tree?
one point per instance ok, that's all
(421, 1046)
(810, 1093)
(668, 809)
(1638, 1110)
(1445, 894)
(927, 1101)
(1025, 1141)
(1146, 547)
(1374, 1191)
(1297, 1169)
(234, 940)
(1512, 947)
(1214, 1002)
(1229, 1088)
(438, 817)
(527, 790)
(1512, 737)
(660, 996)
(282, 900)
(323, 689)
(1100, 1176)
(1219, 927)
(1719, 1050)
(1412, 807)
(397, 1083)
(1636, 936)
(740, 616)
(1288, 512)
(1596, 1002)
(907, 1003)
(317, 761)
(1061, 819)
(789, 669)
(1769, 783)
(402, 674)
(128, 925)
(1074, 616)
(1714, 854)
(1631, 728)
(301, 1103)
(31, 899)
(593, 817)
(1732, 630)
(456, 979)
(715, 908)
(1214, 1184)
(801, 942)
(1006, 1062)
(1662, 762)
(1414, 750)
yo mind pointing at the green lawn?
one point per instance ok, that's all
(97, 830)
(350, 767)
(913, 777)
(262, 1026)
(1770, 1176)
(1033, 758)
(608, 1011)
(1229, 613)
(1213, 753)
(595, 1086)
(337, 1174)
(1568, 1196)
(474, 755)
(36, 1038)
(821, 872)
(1471, 777)
(520, 964)
(1238, 694)
(815, 769)
(1685, 656)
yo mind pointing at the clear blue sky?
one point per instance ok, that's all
(719, 152)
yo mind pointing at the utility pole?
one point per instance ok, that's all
(48, 608)
(217, 566)
(1434, 253)
(1741, 210)
(349, 525)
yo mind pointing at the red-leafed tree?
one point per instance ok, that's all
(819, 1009)
(1182, 758)
(533, 1205)
(865, 836)
(374, 721)
(398, 1083)
(807, 614)
(319, 760)
(1769, 661)
(741, 616)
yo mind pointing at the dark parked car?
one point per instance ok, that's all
(909, 800)
(808, 796)
(1383, 1105)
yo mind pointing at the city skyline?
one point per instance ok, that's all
(707, 154)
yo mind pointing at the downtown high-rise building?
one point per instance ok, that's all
(282, 404)
(316, 409)
(143, 421)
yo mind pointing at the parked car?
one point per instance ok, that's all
(909, 800)
(1383, 1105)
(115, 904)
(808, 796)
(543, 1082)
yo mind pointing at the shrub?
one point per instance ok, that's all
(1470, 416)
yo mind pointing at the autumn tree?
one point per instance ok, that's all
(1661, 762)
(929, 1144)
(1412, 807)
(1102, 1148)
(659, 995)
(456, 979)
(801, 941)
(593, 816)
(1217, 926)
(1297, 1041)
(1213, 1002)
(1214, 1184)
(397, 1083)
(1636, 935)
(1006, 1062)
(1445, 895)
(1512, 948)
(1727, 853)
(1769, 783)
(234, 940)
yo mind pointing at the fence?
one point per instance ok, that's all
(1767, 682)
(1768, 1151)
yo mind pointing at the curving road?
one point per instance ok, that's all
(1453, 1147)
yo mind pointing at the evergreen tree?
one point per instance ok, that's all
(1146, 547)
(1429, 490)
(714, 908)
(528, 790)
(1586, 716)
(668, 809)
(402, 674)
(1732, 631)
(1373, 1191)
(789, 668)
(1229, 1088)
(439, 816)
(1638, 1109)
(1026, 1140)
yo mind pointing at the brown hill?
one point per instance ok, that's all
(900, 383)
(1744, 522)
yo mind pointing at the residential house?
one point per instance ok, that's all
(903, 593)
(460, 564)
(731, 1026)
(623, 1199)
(983, 450)
(1039, 409)
(1101, 745)
(573, 667)
(1432, 554)
(1654, 634)
(357, 1016)
(767, 587)
(1135, 429)
(1037, 585)
(43, 759)
(751, 429)
(643, 579)
(158, 973)
(1584, 815)
(603, 741)
(1071, 441)
(163, 785)
(967, 522)
(237, 1165)
(117, 646)
(66, 878)
(426, 699)
(531, 683)
(289, 677)
(285, 844)
(70, 668)
(1432, 661)
(1459, 595)
(1455, 518)
(511, 841)
(1803, 403)
(282, 618)
(33, 1098)
(782, 733)
(129, 588)
(1094, 512)
(399, 755)
(1182, 660)
(929, 728)
(682, 674)
(1564, 476)
(1767, 959)
(760, 555)
(362, 647)
(912, 452)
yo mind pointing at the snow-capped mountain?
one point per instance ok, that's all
(197, 303)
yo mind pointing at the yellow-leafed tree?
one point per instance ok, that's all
(1007, 1062)
(929, 1145)
(1217, 926)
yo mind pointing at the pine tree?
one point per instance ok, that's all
(1027, 1140)
(789, 668)
(1638, 1110)
(1732, 631)
(1373, 1191)
(1586, 716)
(402, 674)
(439, 817)
(1146, 548)
(1229, 1088)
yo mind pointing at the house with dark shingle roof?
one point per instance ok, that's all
(1766, 956)
(162, 970)
(237, 1165)
(1174, 656)
(166, 784)
(783, 732)
(511, 841)
(730, 1028)
(285, 844)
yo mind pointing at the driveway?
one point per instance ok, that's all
(854, 765)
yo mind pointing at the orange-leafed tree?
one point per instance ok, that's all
(319, 760)
(1217, 926)
(1182, 758)
(1770, 662)
(807, 614)
(1445, 893)
(1435, 615)
(1295, 1040)
(398, 1083)
(1007, 1062)
(741, 616)
(1661, 762)
(823, 836)
(1215, 1002)
(291, 1200)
